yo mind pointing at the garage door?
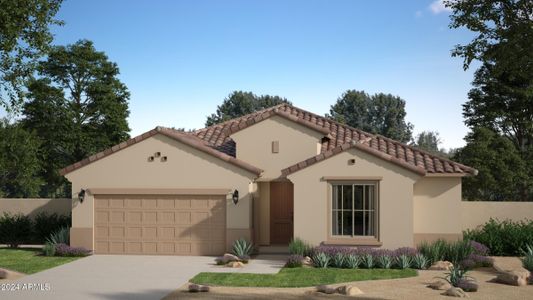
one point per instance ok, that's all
(160, 224)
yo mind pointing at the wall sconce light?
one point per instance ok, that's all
(351, 162)
(164, 158)
(235, 197)
(157, 154)
(150, 158)
(81, 195)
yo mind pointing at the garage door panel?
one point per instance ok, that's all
(116, 217)
(165, 217)
(160, 224)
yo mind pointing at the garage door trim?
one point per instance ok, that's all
(126, 191)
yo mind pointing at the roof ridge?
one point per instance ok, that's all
(241, 117)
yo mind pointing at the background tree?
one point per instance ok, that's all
(24, 37)
(241, 103)
(379, 114)
(19, 162)
(502, 95)
(429, 141)
(501, 168)
(77, 106)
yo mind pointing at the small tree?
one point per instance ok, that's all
(19, 162)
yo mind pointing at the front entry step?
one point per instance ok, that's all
(275, 249)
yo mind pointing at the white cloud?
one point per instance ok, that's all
(438, 7)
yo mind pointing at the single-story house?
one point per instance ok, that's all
(268, 176)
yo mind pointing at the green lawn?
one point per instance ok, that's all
(29, 260)
(299, 277)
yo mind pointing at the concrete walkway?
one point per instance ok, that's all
(117, 277)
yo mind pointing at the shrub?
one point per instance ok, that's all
(242, 248)
(420, 261)
(300, 247)
(321, 260)
(368, 260)
(15, 229)
(456, 252)
(434, 251)
(403, 261)
(527, 260)
(46, 224)
(61, 236)
(294, 261)
(49, 249)
(66, 250)
(352, 261)
(503, 238)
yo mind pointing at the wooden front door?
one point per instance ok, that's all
(281, 212)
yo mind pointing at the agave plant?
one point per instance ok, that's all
(527, 260)
(338, 260)
(61, 236)
(420, 261)
(242, 248)
(368, 261)
(321, 260)
(352, 261)
(403, 261)
(385, 261)
(455, 276)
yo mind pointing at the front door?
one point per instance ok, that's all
(281, 212)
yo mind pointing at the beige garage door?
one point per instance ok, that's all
(160, 224)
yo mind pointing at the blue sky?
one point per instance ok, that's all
(180, 59)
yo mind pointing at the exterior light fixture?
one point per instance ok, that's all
(235, 197)
(81, 195)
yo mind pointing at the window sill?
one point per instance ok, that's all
(353, 242)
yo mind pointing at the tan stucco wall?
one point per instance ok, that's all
(185, 168)
(32, 206)
(296, 143)
(437, 208)
(311, 196)
(475, 213)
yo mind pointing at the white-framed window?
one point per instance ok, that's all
(354, 209)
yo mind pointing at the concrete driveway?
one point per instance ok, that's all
(113, 277)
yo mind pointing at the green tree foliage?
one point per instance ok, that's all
(502, 95)
(24, 37)
(429, 141)
(379, 114)
(241, 103)
(19, 162)
(78, 106)
(501, 168)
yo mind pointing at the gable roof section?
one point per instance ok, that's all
(339, 137)
(182, 137)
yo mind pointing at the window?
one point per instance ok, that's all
(354, 209)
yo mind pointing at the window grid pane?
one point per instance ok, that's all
(353, 210)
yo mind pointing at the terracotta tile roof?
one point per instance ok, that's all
(337, 138)
(185, 138)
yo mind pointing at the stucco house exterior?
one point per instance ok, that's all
(268, 176)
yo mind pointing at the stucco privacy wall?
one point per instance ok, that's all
(186, 168)
(296, 143)
(311, 197)
(32, 206)
(437, 209)
(475, 213)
